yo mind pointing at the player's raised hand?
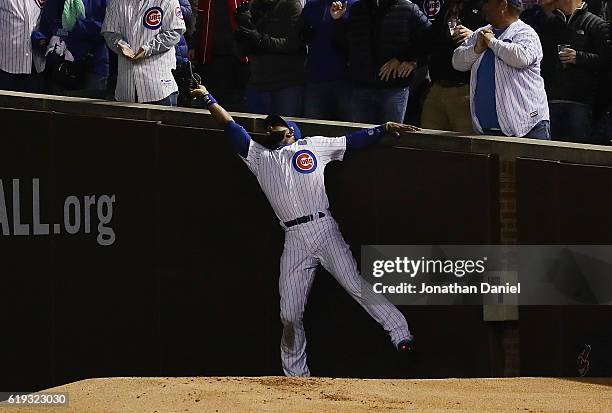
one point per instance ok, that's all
(338, 9)
(200, 91)
(396, 129)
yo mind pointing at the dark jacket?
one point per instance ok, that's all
(84, 38)
(181, 48)
(442, 45)
(589, 35)
(374, 34)
(277, 61)
(324, 62)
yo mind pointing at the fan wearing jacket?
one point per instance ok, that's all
(573, 75)
(385, 41)
(72, 31)
(268, 33)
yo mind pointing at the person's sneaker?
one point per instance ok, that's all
(406, 346)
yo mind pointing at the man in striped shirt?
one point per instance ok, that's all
(21, 54)
(507, 95)
(290, 171)
(143, 35)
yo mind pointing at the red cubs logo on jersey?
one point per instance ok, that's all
(153, 18)
(432, 8)
(304, 161)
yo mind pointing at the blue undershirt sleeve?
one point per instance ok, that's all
(239, 138)
(364, 137)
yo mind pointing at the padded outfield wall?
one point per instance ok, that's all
(136, 243)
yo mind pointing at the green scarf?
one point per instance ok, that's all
(73, 10)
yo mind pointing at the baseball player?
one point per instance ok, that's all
(143, 35)
(21, 52)
(290, 169)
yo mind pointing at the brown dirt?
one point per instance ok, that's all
(280, 394)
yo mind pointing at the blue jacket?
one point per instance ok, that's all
(325, 61)
(84, 37)
(182, 49)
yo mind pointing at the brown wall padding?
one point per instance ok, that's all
(190, 285)
(567, 204)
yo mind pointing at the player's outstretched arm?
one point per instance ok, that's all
(219, 114)
(239, 137)
(366, 137)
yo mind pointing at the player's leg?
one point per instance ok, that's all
(296, 276)
(336, 257)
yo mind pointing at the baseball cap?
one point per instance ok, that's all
(516, 3)
(275, 120)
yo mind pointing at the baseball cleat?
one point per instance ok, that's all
(406, 346)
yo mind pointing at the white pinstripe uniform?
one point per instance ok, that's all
(138, 21)
(293, 180)
(18, 19)
(519, 88)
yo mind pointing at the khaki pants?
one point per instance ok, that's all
(448, 108)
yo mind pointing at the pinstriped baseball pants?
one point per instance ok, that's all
(306, 246)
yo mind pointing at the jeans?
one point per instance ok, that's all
(167, 101)
(571, 122)
(94, 87)
(22, 82)
(328, 100)
(376, 106)
(540, 131)
(282, 102)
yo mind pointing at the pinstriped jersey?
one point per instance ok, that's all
(292, 177)
(519, 88)
(138, 21)
(18, 19)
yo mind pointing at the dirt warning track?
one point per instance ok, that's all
(281, 394)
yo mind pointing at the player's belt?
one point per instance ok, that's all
(303, 220)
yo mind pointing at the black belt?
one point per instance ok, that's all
(303, 220)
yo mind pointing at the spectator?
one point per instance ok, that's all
(385, 44)
(145, 74)
(537, 15)
(601, 8)
(328, 89)
(183, 72)
(21, 51)
(72, 29)
(268, 33)
(447, 106)
(215, 53)
(573, 75)
(507, 95)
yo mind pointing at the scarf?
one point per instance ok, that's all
(73, 10)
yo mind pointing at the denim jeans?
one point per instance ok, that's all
(540, 131)
(94, 87)
(376, 106)
(282, 102)
(167, 101)
(30, 83)
(571, 122)
(328, 100)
